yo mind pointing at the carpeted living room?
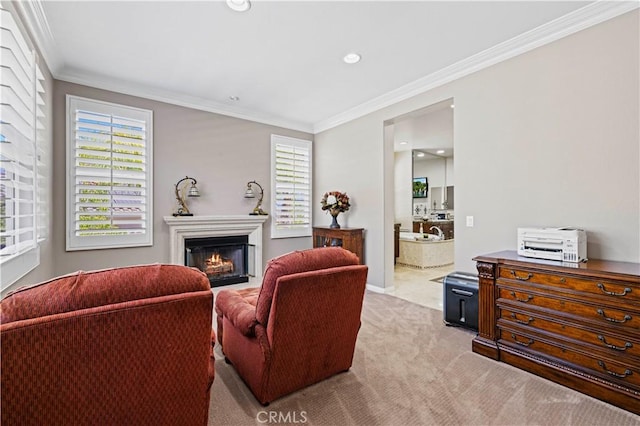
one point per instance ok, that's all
(409, 368)
(217, 212)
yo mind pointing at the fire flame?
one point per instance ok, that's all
(217, 265)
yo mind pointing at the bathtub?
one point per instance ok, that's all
(419, 252)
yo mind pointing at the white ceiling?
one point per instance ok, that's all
(283, 59)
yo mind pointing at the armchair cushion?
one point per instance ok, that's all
(239, 307)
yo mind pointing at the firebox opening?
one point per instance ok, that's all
(223, 259)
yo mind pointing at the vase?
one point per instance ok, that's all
(334, 215)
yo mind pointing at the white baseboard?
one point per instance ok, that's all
(376, 289)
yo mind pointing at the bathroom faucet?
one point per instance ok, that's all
(440, 233)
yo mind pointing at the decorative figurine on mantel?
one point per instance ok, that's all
(336, 202)
(249, 193)
(180, 188)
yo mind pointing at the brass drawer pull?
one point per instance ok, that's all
(525, 344)
(610, 293)
(627, 345)
(529, 275)
(626, 318)
(513, 294)
(525, 322)
(626, 373)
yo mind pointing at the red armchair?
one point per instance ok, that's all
(299, 327)
(120, 346)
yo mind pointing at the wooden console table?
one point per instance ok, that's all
(577, 324)
(351, 239)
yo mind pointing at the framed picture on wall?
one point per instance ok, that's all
(420, 187)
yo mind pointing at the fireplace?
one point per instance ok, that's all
(184, 228)
(225, 260)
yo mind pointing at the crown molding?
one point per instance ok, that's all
(571, 23)
(36, 22)
(585, 17)
(157, 94)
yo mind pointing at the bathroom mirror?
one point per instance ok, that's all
(437, 166)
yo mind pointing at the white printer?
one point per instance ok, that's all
(564, 244)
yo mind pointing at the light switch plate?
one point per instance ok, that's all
(470, 221)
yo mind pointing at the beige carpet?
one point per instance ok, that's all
(410, 369)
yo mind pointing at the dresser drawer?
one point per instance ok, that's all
(575, 324)
(613, 343)
(618, 291)
(626, 374)
(597, 313)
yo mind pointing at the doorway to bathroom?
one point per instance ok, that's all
(424, 202)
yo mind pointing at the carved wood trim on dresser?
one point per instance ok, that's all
(577, 324)
(485, 343)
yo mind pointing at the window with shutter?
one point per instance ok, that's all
(109, 187)
(43, 161)
(291, 161)
(21, 115)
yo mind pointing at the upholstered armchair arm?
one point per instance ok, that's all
(238, 306)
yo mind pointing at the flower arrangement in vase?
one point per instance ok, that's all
(336, 202)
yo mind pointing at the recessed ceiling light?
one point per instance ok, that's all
(453, 106)
(239, 5)
(404, 143)
(420, 154)
(352, 58)
(234, 98)
(440, 151)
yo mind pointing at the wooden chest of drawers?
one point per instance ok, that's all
(576, 324)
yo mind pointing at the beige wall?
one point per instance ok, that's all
(349, 159)
(548, 138)
(564, 121)
(222, 153)
(403, 181)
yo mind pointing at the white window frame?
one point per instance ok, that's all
(110, 238)
(302, 189)
(22, 256)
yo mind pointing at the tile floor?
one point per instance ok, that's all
(416, 285)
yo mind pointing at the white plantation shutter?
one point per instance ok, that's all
(43, 160)
(291, 161)
(20, 103)
(109, 191)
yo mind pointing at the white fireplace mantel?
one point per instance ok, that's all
(185, 227)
